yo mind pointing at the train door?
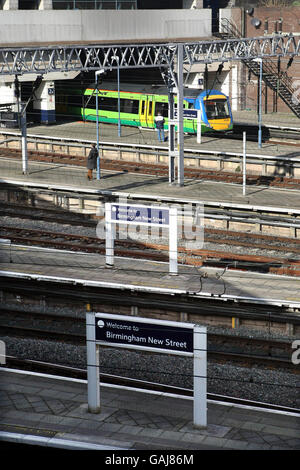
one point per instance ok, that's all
(150, 112)
(143, 110)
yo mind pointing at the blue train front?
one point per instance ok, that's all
(215, 110)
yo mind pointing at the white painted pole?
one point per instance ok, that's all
(200, 377)
(173, 241)
(92, 364)
(109, 236)
(199, 127)
(24, 143)
(244, 163)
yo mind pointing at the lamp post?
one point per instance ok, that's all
(97, 73)
(260, 101)
(115, 57)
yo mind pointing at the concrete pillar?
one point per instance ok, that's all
(289, 329)
(134, 310)
(7, 95)
(44, 102)
(192, 4)
(9, 5)
(45, 5)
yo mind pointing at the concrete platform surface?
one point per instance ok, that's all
(122, 184)
(83, 269)
(42, 410)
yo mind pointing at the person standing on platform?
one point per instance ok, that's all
(92, 162)
(159, 123)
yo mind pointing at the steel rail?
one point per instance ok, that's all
(78, 339)
(153, 149)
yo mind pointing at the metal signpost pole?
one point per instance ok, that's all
(24, 142)
(259, 60)
(109, 235)
(119, 119)
(180, 115)
(97, 73)
(97, 127)
(171, 137)
(199, 129)
(173, 240)
(200, 377)
(92, 364)
(244, 163)
(260, 105)
(115, 57)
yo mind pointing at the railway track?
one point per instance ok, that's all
(76, 373)
(243, 359)
(156, 169)
(158, 252)
(221, 347)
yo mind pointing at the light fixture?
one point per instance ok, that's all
(256, 22)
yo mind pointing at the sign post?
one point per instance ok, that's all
(148, 216)
(199, 127)
(92, 365)
(160, 336)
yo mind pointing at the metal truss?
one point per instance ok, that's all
(67, 58)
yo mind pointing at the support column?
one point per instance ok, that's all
(11, 5)
(172, 152)
(92, 364)
(7, 96)
(44, 103)
(180, 115)
(45, 5)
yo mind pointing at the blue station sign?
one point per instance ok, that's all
(147, 334)
(188, 113)
(139, 214)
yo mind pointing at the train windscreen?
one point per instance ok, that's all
(216, 109)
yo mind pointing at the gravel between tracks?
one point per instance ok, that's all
(260, 384)
(94, 232)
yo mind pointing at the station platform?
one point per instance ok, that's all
(272, 120)
(80, 131)
(123, 184)
(65, 268)
(41, 410)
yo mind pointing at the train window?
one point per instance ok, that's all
(129, 106)
(216, 109)
(104, 103)
(109, 104)
(90, 101)
(161, 108)
(143, 107)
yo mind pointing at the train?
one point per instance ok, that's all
(139, 104)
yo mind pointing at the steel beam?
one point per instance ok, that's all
(67, 58)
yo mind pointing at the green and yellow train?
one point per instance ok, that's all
(139, 104)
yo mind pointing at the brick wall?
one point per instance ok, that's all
(290, 22)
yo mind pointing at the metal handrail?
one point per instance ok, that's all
(269, 67)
